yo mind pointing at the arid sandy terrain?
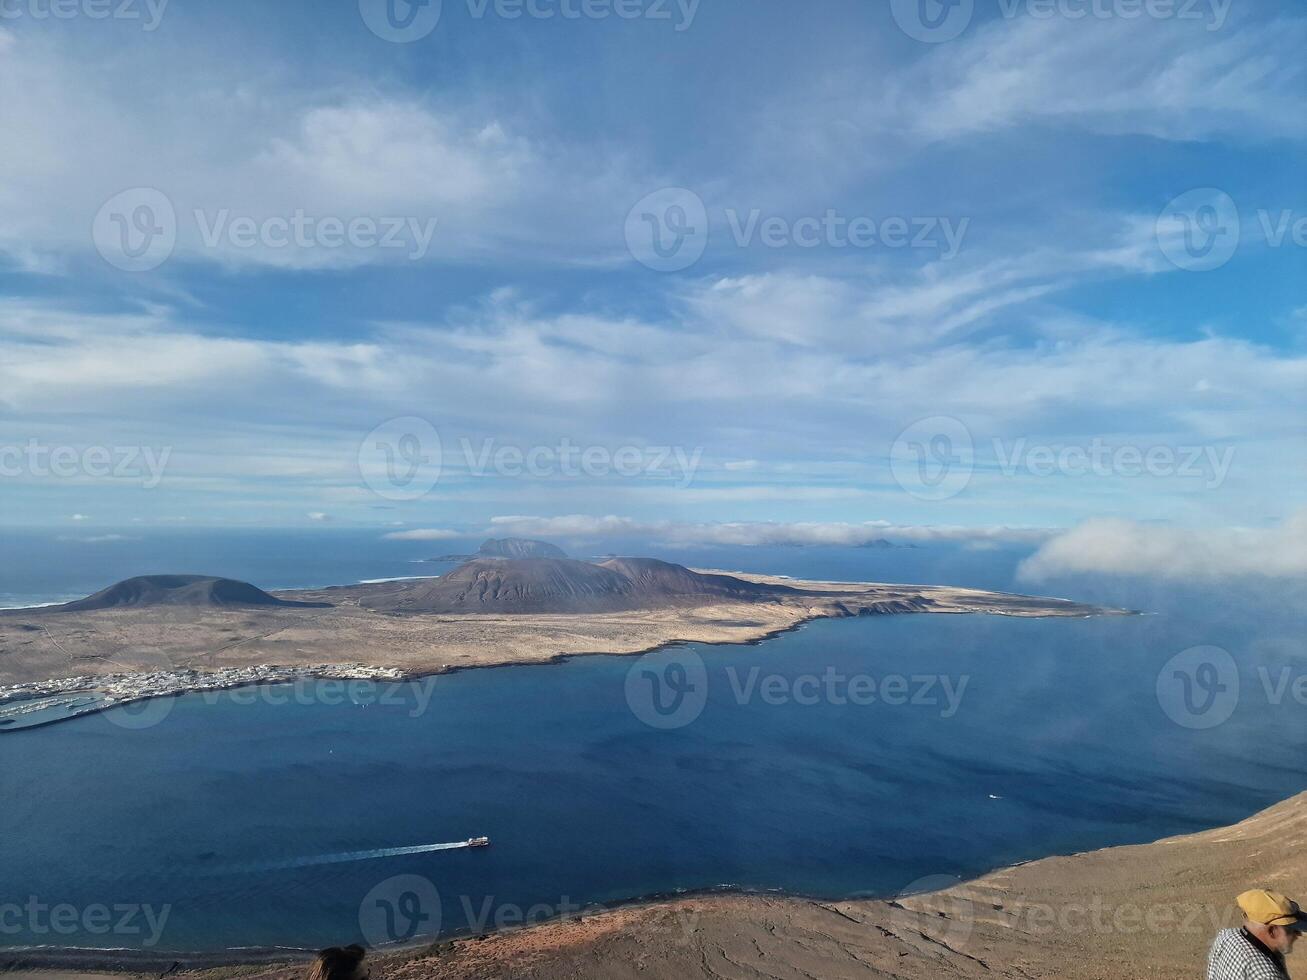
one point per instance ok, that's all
(37, 645)
(1115, 914)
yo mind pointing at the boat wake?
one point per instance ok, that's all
(347, 857)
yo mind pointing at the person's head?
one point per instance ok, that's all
(340, 963)
(1272, 918)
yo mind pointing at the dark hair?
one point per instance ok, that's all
(337, 963)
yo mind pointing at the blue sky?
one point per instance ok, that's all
(800, 381)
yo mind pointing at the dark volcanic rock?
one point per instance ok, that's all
(175, 590)
(519, 548)
(663, 578)
(563, 585)
(510, 585)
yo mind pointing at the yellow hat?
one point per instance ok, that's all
(1271, 909)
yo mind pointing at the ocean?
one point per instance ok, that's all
(862, 757)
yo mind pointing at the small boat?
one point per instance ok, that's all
(478, 842)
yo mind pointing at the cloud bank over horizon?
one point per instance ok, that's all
(1129, 548)
(1050, 362)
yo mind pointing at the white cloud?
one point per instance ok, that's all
(236, 409)
(754, 533)
(1128, 548)
(230, 145)
(895, 311)
(1174, 79)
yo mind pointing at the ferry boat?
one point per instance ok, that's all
(478, 842)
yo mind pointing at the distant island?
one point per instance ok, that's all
(508, 548)
(178, 590)
(165, 634)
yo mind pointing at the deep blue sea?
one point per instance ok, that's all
(852, 757)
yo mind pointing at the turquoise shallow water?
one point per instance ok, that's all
(1054, 740)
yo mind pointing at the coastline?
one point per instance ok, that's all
(289, 645)
(1141, 909)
